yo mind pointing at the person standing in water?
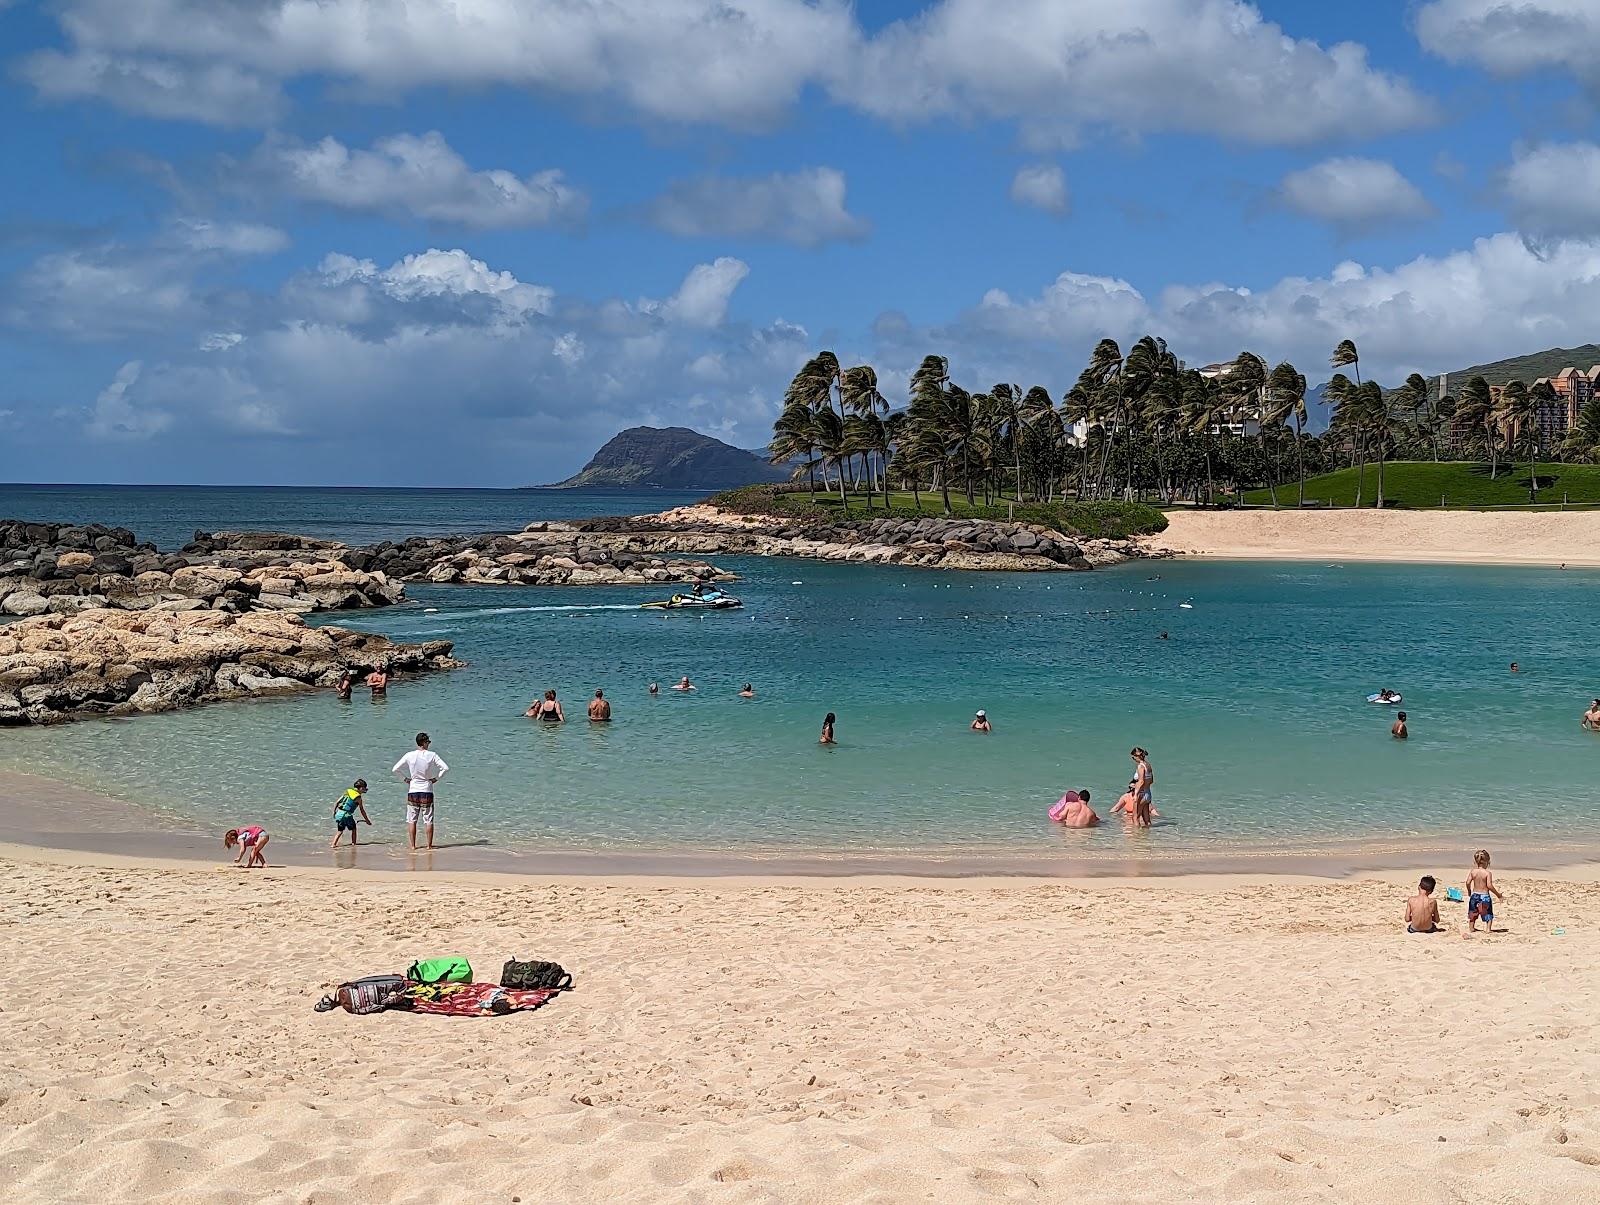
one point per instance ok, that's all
(547, 709)
(346, 685)
(378, 682)
(1144, 781)
(980, 722)
(683, 683)
(421, 769)
(1591, 718)
(1399, 731)
(599, 708)
(827, 730)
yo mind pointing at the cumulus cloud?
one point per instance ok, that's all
(702, 299)
(1200, 66)
(1353, 194)
(1209, 66)
(805, 207)
(1515, 37)
(416, 175)
(1554, 190)
(216, 93)
(114, 414)
(1043, 186)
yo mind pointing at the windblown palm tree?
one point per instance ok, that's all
(859, 396)
(1345, 422)
(1476, 414)
(831, 438)
(1286, 400)
(793, 436)
(1582, 441)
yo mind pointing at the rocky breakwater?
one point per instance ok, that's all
(929, 541)
(55, 568)
(546, 554)
(112, 662)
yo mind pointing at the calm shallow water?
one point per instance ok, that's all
(170, 514)
(1253, 711)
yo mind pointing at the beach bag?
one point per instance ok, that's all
(362, 996)
(440, 970)
(535, 976)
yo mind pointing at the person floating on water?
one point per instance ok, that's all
(345, 808)
(827, 730)
(599, 708)
(547, 709)
(252, 840)
(747, 691)
(1591, 718)
(683, 683)
(1073, 811)
(421, 769)
(1399, 731)
(1422, 910)
(1481, 893)
(1387, 696)
(980, 722)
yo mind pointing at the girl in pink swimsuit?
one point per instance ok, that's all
(252, 840)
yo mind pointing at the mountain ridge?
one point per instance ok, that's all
(671, 458)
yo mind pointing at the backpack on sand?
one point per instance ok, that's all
(535, 976)
(362, 996)
(440, 970)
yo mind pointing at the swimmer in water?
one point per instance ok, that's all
(1591, 718)
(1515, 668)
(1399, 731)
(683, 683)
(655, 688)
(599, 708)
(827, 730)
(546, 709)
(747, 692)
(980, 723)
(1077, 813)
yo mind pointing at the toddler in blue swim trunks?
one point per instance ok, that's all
(345, 809)
(1481, 893)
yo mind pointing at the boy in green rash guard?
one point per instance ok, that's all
(345, 809)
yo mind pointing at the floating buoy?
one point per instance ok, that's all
(429, 610)
(1185, 606)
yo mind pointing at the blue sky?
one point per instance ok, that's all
(464, 241)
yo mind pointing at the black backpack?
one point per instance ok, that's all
(537, 976)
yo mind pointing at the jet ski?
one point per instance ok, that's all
(705, 600)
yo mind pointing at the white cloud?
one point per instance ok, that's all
(1555, 189)
(114, 415)
(231, 238)
(416, 176)
(805, 207)
(1515, 37)
(435, 273)
(1200, 66)
(1353, 194)
(702, 299)
(220, 340)
(215, 93)
(1043, 186)
(1206, 66)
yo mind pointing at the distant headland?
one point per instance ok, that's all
(672, 458)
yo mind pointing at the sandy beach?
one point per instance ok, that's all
(764, 1040)
(1457, 537)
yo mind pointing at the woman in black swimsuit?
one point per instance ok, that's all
(546, 709)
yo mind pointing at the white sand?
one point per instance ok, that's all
(1465, 537)
(1172, 1041)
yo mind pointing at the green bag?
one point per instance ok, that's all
(440, 970)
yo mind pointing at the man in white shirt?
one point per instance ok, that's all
(420, 768)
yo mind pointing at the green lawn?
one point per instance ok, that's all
(1106, 520)
(1421, 483)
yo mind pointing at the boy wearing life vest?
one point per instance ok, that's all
(345, 809)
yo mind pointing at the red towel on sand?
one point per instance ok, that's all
(467, 999)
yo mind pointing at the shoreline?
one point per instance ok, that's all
(1488, 538)
(54, 822)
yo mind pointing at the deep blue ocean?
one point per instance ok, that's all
(1253, 708)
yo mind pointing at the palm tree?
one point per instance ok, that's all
(1476, 412)
(1286, 399)
(1346, 356)
(792, 436)
(1583, 438)
(1341, 395)
(830, 437)
(858, 394)
(1102, 380)
(1202, 407)
(1541, 399)
(1246, 386)
(1516, 415)
(1034, 408)
(1376, 419)
(1008, 410)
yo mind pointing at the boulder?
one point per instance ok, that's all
(25, 602)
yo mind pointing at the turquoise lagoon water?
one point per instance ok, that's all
(1253, 711)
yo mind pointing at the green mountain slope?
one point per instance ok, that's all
(671, 458)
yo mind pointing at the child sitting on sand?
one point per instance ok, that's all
(344, 812)
(251, 839)
(1422, 910)
(1481, 893)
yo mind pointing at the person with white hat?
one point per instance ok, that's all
(980, 722)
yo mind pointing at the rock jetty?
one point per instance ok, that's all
(55, 568)
(115, 662)
(547, 554)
